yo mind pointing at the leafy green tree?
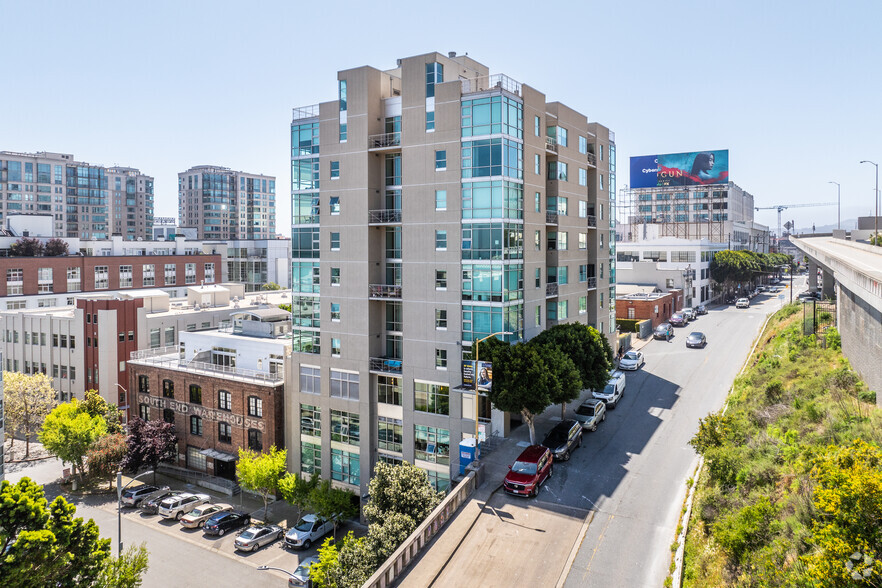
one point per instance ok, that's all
(26, 247)
(95, 405)
(403, 489)
(46, 546)
(332, 504)
(327, 571)
(28, 399)
(68, 432)
(124, 571)
(586, 347)
(566, 377)
(523, 384)
(286, 307)
(55, 248)
(271, 286)
(105, 456)
(149, 443)
(487, 349)
(296, 490)
(261, 472)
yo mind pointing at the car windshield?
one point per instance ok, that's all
(303, 570)
(609, 389)
(631, 355)
(523, 467)
(586, 409)
(661, 329)
(304, 525)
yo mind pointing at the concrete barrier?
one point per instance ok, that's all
(411, 547)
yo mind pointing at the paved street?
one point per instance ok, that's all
(612, 510)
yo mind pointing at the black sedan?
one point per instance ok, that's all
(152, 506)
(696, 339)
(227, 521)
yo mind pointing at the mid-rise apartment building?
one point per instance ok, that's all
(433, 204)
(85, 200)
(225, 204)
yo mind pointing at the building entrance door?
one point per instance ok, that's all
(225, 469)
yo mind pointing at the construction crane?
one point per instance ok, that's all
(782, 207)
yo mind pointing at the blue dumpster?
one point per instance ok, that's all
(469, 451)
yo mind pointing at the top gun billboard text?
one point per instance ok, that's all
(680, 169)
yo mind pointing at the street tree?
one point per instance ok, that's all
(522, 384)
(332, 504)
(105, 456)
(28, 399)
(567, 380)
(271, 286)
(297, 489)
(261, 472)
(95, 405)
(55, 248)
(149, 443)
(26, 247)
(487, 349)
(124, 571)
(68, 432)
(46, 546)
(586, 347)
(402, 489)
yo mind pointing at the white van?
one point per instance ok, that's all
(613, 391)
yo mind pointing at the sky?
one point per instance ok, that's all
(792, 89)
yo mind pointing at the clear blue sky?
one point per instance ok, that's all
(792, 89)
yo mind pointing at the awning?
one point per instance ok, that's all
(220, 455)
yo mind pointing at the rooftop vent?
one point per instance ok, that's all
(451, 54)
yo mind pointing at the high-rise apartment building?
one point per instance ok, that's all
(433, 204)
(225, 204)
(85, 200)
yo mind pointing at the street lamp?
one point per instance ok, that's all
(126, 397)
(876, 200)
(266, 568)
(476, 376)
(838, 204)
(119, 491)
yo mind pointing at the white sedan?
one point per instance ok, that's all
(632, 360)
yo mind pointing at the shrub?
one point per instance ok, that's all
(834, 340)
(746, 529)
(628, 325)
(774, 391)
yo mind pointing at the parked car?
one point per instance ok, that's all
(226, 521)
(308, 530)
(590, 413)
(632, 360)
(613, 391)
(529, 471)
(678, 319)
(689, 313)
(730, 300)
(135, 495)
(696, 339)
(742, 303)
(701, 309)
(176, 507)
(563, 438)
(253, 538)
(663, 331)
(300, 577)
(152, 506)
(197, 517)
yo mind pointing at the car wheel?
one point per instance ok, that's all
(550, 472)
(580, 441)
(178, 516)
(603, 418)
(566, 457)
(221, 532)
(594, 427)
(535, 491)
(201, 524)
(307, 544)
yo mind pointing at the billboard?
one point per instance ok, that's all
(696, 168)
(484, 371)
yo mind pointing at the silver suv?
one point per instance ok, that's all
(590, 413)
(177, 506)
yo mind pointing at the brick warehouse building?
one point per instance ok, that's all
(657, 306)
(222, 389)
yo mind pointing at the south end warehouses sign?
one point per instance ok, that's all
(220, 416)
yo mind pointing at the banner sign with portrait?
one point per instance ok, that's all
(680, 169)
(483, 372)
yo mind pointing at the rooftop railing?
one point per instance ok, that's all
(169, 358)
(483, 83)
(305, 112)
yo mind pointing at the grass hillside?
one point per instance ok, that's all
(791, 489)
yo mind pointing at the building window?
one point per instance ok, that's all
(310, 420)
(148, 275)
(440, 279)
(144, 412)
(439, 481)
(440, 160)
(345, 427)
(343, 132)
(562, 241)
(335, 276)
(434, 75)
(583, 304)
(537, 164)
(335, 346)
(433, 398)
(583, 241)
(171, 274)
(432, 444)
(196, 425)
(537, 240)
(310, 458)
(583, 145)
(73, 279)
(102, 277)
(190, 273)
(344, 385)
(441, 240)
(390, 433)
(195, 394)
(335, 312)
(255, 440)
(440, 199)
(441, 359)
(335, 170)
(125, 276)
(168, 389)
(168, 415)
(310, 380)
(335, 205)
(342, 91)
(255, 406)
(44, 280)
(224, 400)
(143, 385)
(537, 126)
(335, 241)
(430, 121)
(389, 390)
(209, 273)
(154, 338)
(440, 319)
(345, 467)
(224, 433)
(538, 315)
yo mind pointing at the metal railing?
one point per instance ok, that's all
(551, 144)
(307, 219)
(482, 83)
(592, 159)
(384, 291)
(550, 218)
(384, 216)
(592, 283)
(384, 140)
(431, 526)
(171, 360)
(551, 289)
(385, 364)
(305, 112)
(592, 220)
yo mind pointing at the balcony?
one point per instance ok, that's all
(311, 111)
(385, 365)
(384, 292)
(592, 283)
(592, 221)
(551, 290)
(384, 216)
(551, 145)
(592, 159)
(384, 142)
(550, 218)
(484, 83)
